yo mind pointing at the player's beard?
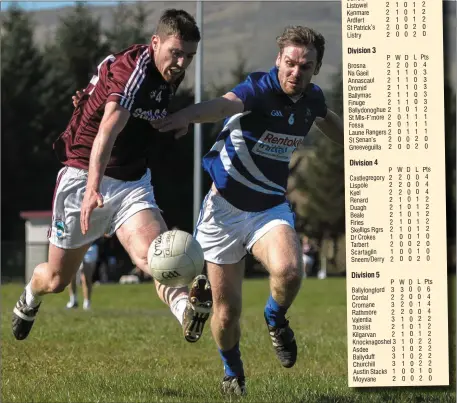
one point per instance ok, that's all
(294, 89)
(290, 85)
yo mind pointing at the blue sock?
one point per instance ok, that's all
(275, 314)
(233, 365)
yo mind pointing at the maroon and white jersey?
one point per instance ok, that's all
(131, 79)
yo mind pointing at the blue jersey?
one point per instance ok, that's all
(249, 163)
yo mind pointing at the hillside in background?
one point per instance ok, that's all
(249, 29)
(234, 28)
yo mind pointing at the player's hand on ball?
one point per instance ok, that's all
(176, 122)
(92, 199)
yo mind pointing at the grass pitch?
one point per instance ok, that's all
(130, 348)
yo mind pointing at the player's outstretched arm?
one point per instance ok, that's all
(331, 126)
(114, 120)
(214, 110)
(204, 112)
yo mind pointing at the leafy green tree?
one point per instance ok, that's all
(21, 74)
(36, 104)
(324, 184)
(70, 61)
(79, 45)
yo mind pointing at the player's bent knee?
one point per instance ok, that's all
(58, 283)
(289, 274)
(139, 255)
(141, 262)
(226, 315)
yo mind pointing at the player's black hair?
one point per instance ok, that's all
(178, 23)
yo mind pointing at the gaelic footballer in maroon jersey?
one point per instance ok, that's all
(105, 186)
(131, 79)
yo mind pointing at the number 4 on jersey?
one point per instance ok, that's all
(157, 97)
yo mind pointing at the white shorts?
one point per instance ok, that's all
(121, 201)
(226, 233)
(308, 260)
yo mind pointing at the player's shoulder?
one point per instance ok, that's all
(133, 56)
(315, 92)
(314, 89)
(257, 76)
(259, 79)
(260, 83)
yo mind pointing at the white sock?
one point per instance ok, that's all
(31, 299)
(177, 306)
(73, 299)
(86, 304)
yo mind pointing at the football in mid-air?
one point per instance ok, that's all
(175, 258)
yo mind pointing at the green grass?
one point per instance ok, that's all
(130, 349)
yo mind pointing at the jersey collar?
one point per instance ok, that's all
(274, 79)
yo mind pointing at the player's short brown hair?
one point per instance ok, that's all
(178, 23)
(302, 36)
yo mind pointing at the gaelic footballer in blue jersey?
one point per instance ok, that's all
(246, 210)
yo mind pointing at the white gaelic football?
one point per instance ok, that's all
(175, 258)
